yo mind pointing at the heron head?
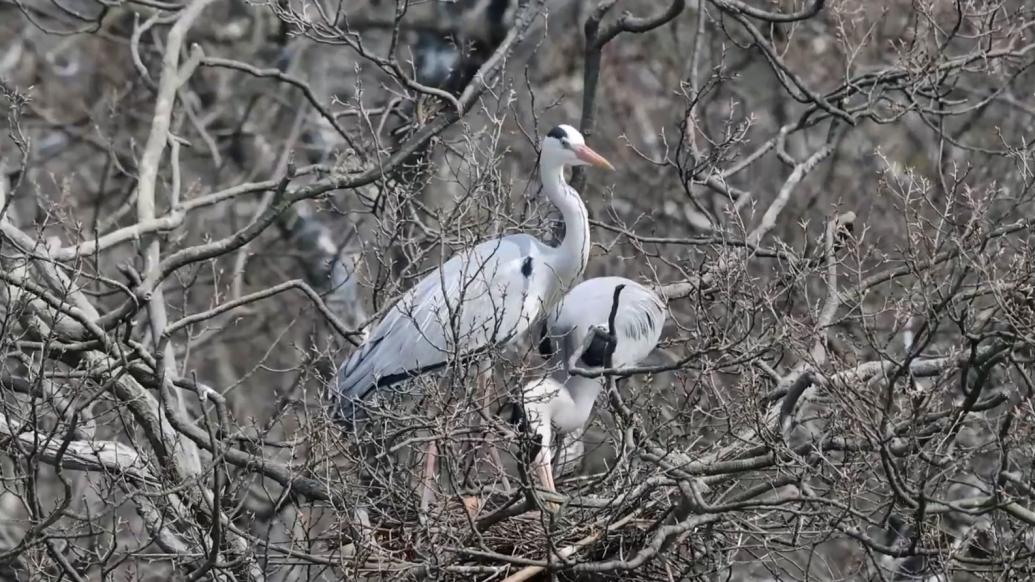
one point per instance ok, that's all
(564, 145)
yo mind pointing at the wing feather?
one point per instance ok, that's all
(638, 322)
(484, 297)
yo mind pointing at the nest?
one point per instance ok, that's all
(524, 535)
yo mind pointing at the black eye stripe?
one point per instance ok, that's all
(558, 133)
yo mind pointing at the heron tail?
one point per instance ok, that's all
(353, 383)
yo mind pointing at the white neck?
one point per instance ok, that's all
(573, 252)
(583, 393)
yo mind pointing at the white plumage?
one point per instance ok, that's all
(574, 335)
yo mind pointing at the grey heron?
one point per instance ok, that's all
(578, 333)
(488, 295)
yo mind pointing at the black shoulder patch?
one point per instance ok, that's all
(518, 419)
(530, 442)
(600, 347)
(532, 450)
(557, 133)
(545, 346)
(526, 267)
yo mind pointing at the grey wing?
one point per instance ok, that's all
(638, 321)
(484, 297)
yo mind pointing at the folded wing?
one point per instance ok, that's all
(481, 298)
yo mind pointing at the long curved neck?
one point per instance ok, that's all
(583, 389)
(584, 392)
(573, 252)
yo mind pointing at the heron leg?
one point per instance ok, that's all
(544, 469)
(571, 452)
(486, 388)
(543, 466)
(484, 398)
(429, 477)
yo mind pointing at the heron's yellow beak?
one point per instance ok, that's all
(586, 154)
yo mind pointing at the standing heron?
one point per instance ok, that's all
(579, 331)
(485, 296)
